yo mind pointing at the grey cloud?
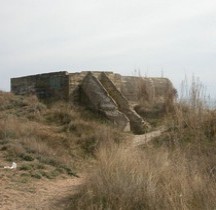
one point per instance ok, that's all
(52, 35)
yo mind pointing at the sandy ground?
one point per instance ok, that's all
(37, 195)
(139, 140)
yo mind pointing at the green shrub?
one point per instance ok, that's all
(36, 175)
(27, 157)
(25, 167)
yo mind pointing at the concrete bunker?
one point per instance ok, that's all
(113, 95)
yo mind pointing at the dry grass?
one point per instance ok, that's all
(59, 137)
(193, 120)
(177, 171)
(150, 179)
(153, 106)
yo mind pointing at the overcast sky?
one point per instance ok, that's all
(176, 37)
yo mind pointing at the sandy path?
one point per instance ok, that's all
(139, 140)
(38, 195)
(56, 194)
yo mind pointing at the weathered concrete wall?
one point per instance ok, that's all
(75, 79)
(147, 90)
(49, 87)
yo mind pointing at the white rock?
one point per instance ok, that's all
(14, 166)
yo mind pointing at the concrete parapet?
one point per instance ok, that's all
(48, 87)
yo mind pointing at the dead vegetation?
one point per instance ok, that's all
(149, 179)
(175, 171)
(47, 141)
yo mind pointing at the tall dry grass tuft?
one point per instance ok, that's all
(193, 119)
(153, 179)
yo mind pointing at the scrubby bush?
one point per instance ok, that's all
(175, 171)
(60, 136)
(150, 179)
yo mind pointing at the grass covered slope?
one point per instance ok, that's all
(150, 179)
(175, 171)
(47, 141)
